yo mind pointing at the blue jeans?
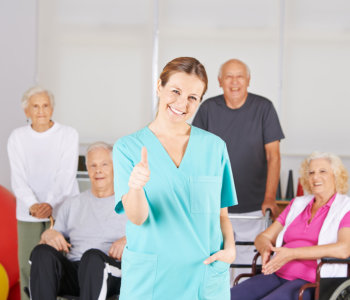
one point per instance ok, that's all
(270, 287)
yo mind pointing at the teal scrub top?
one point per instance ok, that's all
(163, 258)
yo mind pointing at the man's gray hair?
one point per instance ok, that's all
(237, 61)
(34, 91)
(98, 145)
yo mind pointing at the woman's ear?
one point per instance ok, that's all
(159, 86)
(26, 112)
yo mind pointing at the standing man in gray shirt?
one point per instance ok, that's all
(96, 239)
(249, 125)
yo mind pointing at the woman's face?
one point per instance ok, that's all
(39, 110)
(321, 177)
(180, 97)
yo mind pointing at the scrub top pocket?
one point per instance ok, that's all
(217, 282)
(205, 194)
(139, 274)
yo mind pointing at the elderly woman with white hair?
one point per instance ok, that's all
(311, 227)
(43, 159)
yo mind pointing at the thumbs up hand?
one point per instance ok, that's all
(140, 174)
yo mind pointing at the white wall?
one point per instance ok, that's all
(312, 54)
(17, 72)
(316, 91)
(96, 56)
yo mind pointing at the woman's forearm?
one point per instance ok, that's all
(266, 239)
(262, 243)
(228, 238)
(227, 232)
(136, 206)
(340, 249)
(337, 250)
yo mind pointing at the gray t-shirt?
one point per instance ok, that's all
(245, 130)
(89, 222)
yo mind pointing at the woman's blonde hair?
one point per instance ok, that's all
(340, 173)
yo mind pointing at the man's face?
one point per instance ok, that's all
(234, 81)
(100, 169)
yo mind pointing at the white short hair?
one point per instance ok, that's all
(34, 91)
(98, 145)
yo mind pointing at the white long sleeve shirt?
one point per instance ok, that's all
(43, 167)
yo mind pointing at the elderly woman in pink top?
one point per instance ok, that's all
(311, 227)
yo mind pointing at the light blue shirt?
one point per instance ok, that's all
(164, 256)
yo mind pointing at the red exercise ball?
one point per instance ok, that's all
(8, 237)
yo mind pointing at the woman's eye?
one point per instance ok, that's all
(176, 92)
(311, 172)
(193, 98)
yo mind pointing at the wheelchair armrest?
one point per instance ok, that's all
(332, 260)
(240, 276)
(254, 270)
(316, 285)
(306, 286)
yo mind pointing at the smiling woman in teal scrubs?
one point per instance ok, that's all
(174, 183)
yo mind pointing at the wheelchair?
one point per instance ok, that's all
(71, 297)
(337, 288)
(266, 222)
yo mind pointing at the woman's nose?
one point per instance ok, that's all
(182, 101)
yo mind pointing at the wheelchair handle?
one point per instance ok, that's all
(268, 214)
(52, 222)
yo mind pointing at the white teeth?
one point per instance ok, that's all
(176, 111)
(317, 183)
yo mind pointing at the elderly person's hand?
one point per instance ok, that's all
(265, 253)
(117, 248)
(55, 239)
(282, 256)
(271, 204)
(264, 242)
(41, 210)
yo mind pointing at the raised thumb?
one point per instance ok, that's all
(144, 159)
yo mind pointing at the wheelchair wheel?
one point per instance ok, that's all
(342, 292)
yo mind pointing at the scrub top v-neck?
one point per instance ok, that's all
(164, 256)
